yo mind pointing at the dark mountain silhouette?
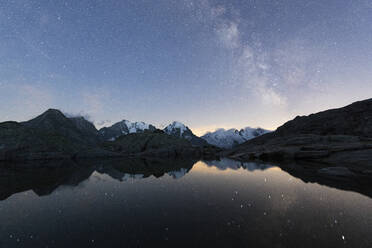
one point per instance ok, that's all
(50, 135)
(341, 137)
(354, 119)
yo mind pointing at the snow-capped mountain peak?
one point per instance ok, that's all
(232, 137)
(179, 129)
(250, 133)
(176, 126)
(123, 128)
(134, 127)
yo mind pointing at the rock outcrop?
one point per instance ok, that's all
(337, 137)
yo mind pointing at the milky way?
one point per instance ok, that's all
(206, 63)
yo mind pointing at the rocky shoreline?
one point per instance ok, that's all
(340, 150)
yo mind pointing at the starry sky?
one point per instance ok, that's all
(206, 63)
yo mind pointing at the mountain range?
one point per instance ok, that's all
(52, 135)
(232, 137)
(221, 138)
(338, 138)
(125, 127)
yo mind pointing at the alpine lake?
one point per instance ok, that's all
(179, 203)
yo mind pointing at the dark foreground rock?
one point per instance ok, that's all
(338, 137)
(336, 150)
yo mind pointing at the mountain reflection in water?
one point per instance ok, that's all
(147, 203)
(15, 178)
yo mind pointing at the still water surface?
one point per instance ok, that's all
(178, 204)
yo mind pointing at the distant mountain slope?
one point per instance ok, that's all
(180, 130)
(232, 137)
(123, 128)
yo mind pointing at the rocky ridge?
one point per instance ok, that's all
(337, 137)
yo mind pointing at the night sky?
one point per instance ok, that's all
(206, 63)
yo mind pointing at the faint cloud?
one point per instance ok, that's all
(86, 116)
(103, 123)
